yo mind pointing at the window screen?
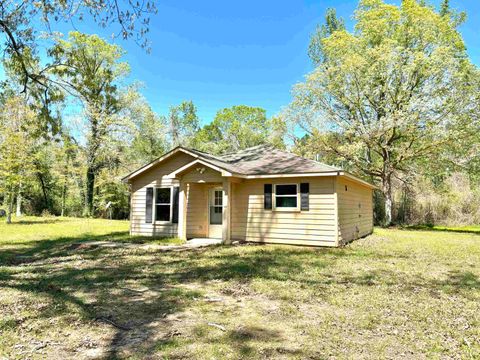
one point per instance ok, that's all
(286, 196)
(162, 204)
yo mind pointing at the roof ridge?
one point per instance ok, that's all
(250, 147)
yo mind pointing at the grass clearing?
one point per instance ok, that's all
(397, 293)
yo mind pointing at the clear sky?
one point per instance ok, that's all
(221, 53)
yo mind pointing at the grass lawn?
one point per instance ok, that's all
(464, 229)
(395, 294)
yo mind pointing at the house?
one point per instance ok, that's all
(259, 194)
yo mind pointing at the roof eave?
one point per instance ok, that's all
(185, 167)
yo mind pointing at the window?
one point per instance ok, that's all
(216, 207)
(163, 204)
(286, 196)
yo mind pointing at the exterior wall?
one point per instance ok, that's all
(154, 177)
(197, 213)
(355, 210)
(198, 185)
(208, 176)
(317, 226)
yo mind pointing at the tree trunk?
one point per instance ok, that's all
(90, 186)
(19, 202)
(44, 192)
(64, 195)
(10, 208)
(387, 194)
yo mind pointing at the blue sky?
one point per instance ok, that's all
(222, 53)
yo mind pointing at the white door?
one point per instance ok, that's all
(215, 211)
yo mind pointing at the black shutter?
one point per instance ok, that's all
(149, 206)
(175, 204)
(304, 191)
(267, 196)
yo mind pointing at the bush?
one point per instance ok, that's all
(454, 202)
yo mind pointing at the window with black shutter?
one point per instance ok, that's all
(304, 196)
(176, 191)
(163, 204)
(267, 196)
(149, 205)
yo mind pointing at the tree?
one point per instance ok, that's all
(22, 22)
(183, 122)
(15, 149)
(149, 139)
(89, 68)
(240, 127)
(332, 24)
(397, 90)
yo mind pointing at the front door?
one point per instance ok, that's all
(215, 211)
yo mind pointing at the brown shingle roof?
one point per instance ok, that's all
(264, 160)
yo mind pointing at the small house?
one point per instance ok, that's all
(260, 194)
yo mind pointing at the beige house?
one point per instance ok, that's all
(260, 194)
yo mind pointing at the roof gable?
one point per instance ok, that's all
(258, 161)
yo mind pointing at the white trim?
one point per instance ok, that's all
(155, 162)
(354, 178)
(335, 211)
(211, 191)
(182, 212)
(270, 176)
(175, 173)
(274, 202)
(154, 210)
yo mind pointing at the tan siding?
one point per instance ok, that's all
(208, 176)
(156, 177)
(251, 222)
(197, 218)
(355, 210)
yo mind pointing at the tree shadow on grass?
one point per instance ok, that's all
(440, 229)
(39, 221)
(136, 293)
(62, 246)
(101, 295)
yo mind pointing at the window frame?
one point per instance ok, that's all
(209, 202)
(154, 204)
(281, 208)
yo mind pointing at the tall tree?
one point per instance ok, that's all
(22, 22)
(332, 24)
(183, 122)
(16, 164)
(90, 69)
(240, 127)
(396, 90)
(149, 130)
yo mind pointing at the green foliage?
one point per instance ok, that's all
(90, 68)
(332, 24)
(183, 122)
(399, 89)
(16, 160)
(149, 130)
(22, 25)
(240, 127)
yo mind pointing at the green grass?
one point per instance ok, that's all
(395, 294)
(30, 235)
(475, 229)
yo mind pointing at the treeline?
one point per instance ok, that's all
(396, 101)
(78, 172)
